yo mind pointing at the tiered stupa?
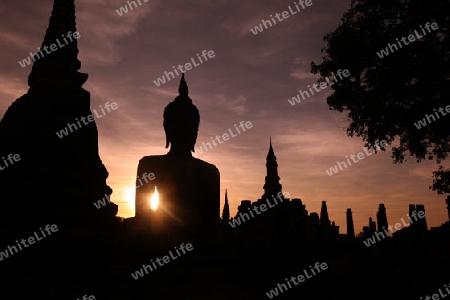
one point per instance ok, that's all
(56, 178)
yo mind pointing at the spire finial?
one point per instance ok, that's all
(63, 62)
(270, 154)
(272, 185)
(226, 209)
(183, 89)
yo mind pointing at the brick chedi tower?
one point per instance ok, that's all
(56, 177)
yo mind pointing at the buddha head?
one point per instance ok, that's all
(181, 121)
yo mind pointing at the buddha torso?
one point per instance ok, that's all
(188, 188)
(189, 192)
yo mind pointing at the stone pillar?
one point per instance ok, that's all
(350, 227)
(382, 218)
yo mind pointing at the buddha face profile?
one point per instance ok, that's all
(181, 122)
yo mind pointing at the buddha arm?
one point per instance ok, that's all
(212, 213)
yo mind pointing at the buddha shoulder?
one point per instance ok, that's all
(152, 160)
(210, 168)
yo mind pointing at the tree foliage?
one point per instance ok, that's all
(385, 97)
(441, 181)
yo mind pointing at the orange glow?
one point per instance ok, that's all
(130, 195)
(154, 200)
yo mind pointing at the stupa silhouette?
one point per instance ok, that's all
(57, 178)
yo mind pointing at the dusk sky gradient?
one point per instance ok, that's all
(250, 78)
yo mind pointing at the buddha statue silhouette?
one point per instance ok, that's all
(188, 188)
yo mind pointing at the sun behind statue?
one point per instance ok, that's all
(188, 188)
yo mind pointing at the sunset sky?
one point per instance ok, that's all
(250, 78)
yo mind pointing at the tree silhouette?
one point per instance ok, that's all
(385, 97)
(441, 181)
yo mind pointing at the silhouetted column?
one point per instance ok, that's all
(350, 227)
(422, 222)
(412, 208)
(324, 219)
(382, 218)
(413, 226)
